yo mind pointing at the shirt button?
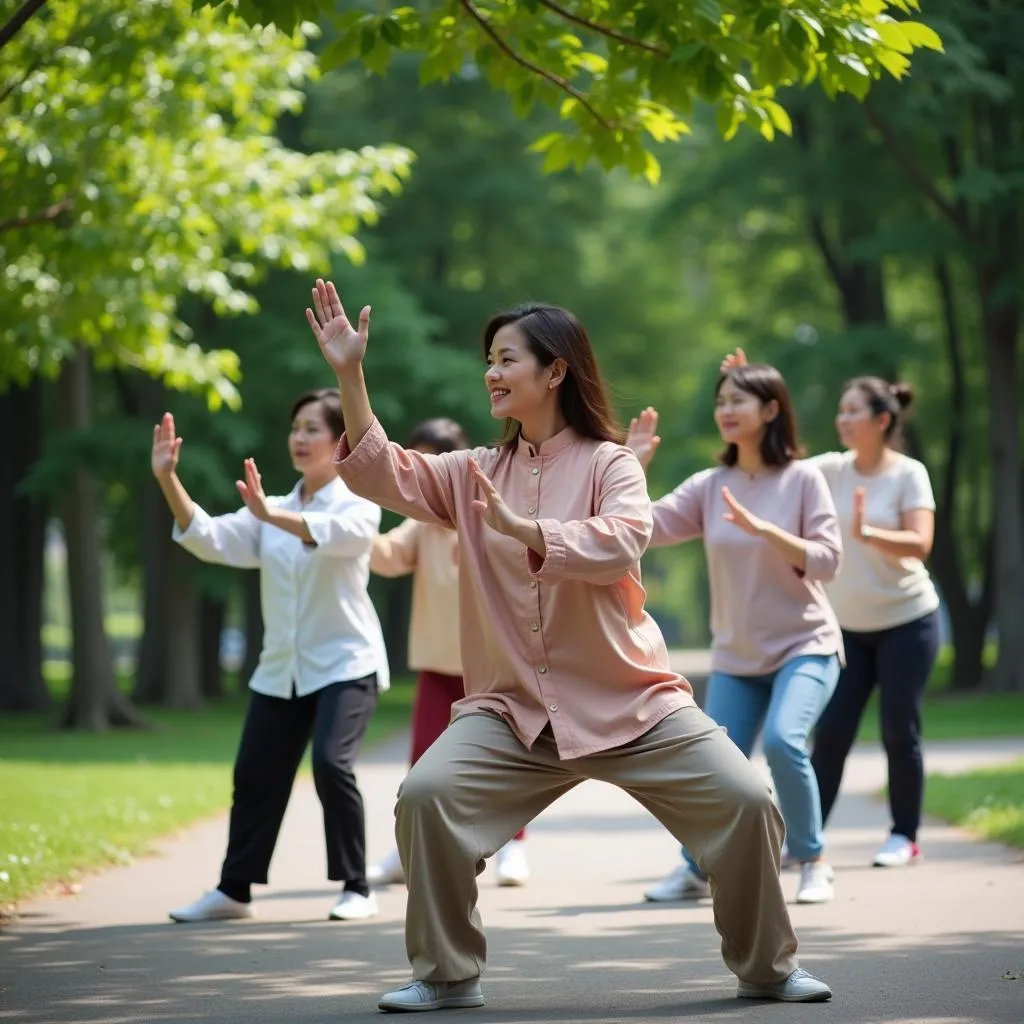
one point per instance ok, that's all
(552, 707)
(533, 584)
(542, 669)
(535, 471)
(534, 626)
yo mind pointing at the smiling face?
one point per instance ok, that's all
(311, 443)
(518, 385)
(858, 427)
(741, 416)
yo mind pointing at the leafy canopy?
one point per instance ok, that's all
(625, 75)
(140, 164)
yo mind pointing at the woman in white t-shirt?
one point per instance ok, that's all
(884, 599)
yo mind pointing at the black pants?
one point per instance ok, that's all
(274, 738)
(899, 660)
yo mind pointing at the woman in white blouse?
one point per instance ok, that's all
(323, 659)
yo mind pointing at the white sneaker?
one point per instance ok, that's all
(511, 867)
(387, 872)
(352, 906)
(682, 884)
(816, 882)
(897, 852)
(799, 987)
(212, 906)
(432, 995)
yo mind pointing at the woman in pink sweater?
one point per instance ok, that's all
(772, 540)
(431, 555)
(567, 676)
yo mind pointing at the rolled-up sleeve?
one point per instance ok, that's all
(346, 531)
(679, 516)
(603, 548)
(407, 482)
(821, 533)
(232, 539)
(396, 552)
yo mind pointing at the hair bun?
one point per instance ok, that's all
(903, 393)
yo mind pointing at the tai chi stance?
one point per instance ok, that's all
(771, 539)
(323, 658)
(430, 553)
(567, 676)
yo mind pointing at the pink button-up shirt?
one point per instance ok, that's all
(563, 639)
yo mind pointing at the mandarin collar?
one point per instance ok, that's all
(321, 496)
(552, 446)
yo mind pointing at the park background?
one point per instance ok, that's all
(170, 183)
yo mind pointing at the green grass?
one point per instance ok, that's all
(988, 802)
(957, 717)
(73, 802)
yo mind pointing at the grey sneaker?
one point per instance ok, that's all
(432, 995)
(799, 987)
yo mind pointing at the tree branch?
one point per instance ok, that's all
(802, 134)
(915, 172)
(49, 213)
(535, 69)
(17, 20)
(603, 30)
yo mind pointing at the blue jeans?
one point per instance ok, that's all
(787, 703)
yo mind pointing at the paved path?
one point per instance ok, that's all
(928, 944)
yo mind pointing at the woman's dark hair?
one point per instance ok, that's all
(440, 435)
(552, 333)
(780, 444)
(330, 402)
(883, 397)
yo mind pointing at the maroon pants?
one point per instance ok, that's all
(432, 711)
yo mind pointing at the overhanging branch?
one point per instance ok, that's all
(17, 20)
(46, 215)
(604, 30)
(535, 69)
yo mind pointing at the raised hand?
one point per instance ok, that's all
(251, 490)
(342, 345)
(643, 435)
(166, 448)
(741, 516)
(860, 497)
(491, 506)
(737, 358)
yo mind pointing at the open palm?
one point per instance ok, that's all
(643, 436)
(166, 447)
(342, 345)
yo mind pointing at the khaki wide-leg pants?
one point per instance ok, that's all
(477, 786)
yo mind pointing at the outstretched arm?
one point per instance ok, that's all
(164, 463)
(343, 346)
(407, 482)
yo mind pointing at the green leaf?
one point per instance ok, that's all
(391, 32)
(921, 35)
(709, 10)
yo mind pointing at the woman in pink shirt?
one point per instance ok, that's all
(567, 676)
(771, 537)
(430, 553)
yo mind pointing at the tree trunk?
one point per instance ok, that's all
(253, 615)
(1001, 328)
(22, 546)
(212, 616)
(95, 702)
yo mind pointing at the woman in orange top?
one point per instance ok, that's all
(430, 553)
